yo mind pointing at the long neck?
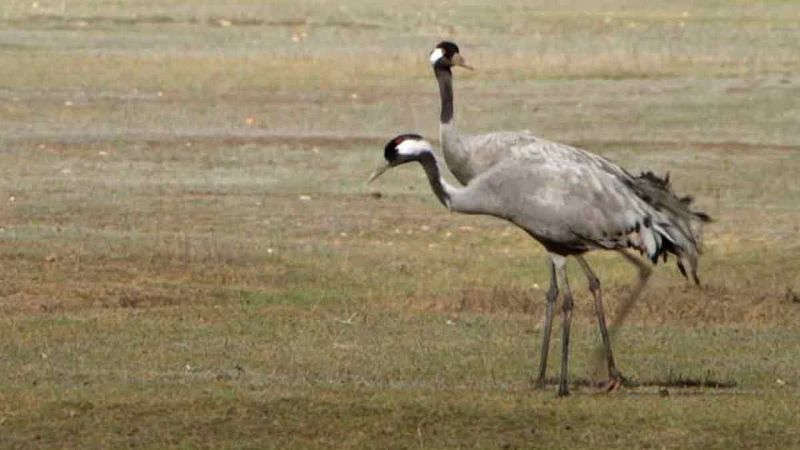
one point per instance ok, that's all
(445, 78)
(455, 154)
(444, 192)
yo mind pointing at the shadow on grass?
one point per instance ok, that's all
(672, 380)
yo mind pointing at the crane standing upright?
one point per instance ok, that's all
(572, 202)
(469, 156)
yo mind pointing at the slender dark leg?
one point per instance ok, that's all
(625, 307)
(614, 376)
(552, 295)
(566, 318)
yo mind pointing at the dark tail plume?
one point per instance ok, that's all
(683, 224)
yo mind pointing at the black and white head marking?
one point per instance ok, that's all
(444, 49)
(405, 146)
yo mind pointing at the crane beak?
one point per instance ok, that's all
(458, 60)
(378, 172)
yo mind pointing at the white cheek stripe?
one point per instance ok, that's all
(436, 54)
(411, 147)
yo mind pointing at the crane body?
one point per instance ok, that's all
(571, 201)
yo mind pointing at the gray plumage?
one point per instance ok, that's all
(572, 201)
(469, 156)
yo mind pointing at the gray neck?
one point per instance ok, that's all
(444, 192)
(445, 78)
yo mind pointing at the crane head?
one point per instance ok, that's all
(400, 150)
(446, 54)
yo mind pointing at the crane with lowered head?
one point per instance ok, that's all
(572, 202)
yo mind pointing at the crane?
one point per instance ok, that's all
(572, 202)
(468, 156)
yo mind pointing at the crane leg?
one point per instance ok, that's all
(552, 295)
(614, 376)
(566, 318)
(625, 307)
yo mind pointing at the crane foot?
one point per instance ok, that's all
(611, 385)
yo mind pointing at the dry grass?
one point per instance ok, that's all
(189, 256)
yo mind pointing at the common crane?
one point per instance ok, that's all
(469, 156)
(571, 201)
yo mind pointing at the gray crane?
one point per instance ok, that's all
(571, 201)
(469, 156)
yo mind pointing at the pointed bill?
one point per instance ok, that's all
(378, 171)
(458, 60)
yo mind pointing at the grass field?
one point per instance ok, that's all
(189, 256)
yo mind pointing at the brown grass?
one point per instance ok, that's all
(189, 256)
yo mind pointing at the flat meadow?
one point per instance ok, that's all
(190, 256)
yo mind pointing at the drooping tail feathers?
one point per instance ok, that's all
(681, 226)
